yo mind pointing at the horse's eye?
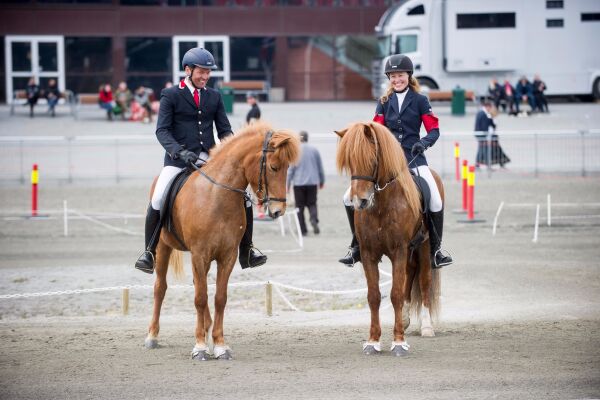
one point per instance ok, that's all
(274, 168)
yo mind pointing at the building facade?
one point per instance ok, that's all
(313, 49)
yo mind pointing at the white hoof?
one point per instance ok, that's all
(427, 332)
(151, 342)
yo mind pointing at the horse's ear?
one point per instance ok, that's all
(341, 133)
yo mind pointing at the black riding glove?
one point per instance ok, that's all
(188, 157)
(418, 148)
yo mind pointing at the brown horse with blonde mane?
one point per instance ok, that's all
(209, 218)
(389, 219)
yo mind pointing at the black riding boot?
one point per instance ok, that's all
(146, 261)
(353, 255)
(436, 226)
(248, 257)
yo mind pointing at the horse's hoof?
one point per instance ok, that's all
(371, 348)
(225, 356)
(427, 332)
(201, 355)
(400, 349)
(151, 343)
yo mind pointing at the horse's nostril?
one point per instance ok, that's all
(363, 203)
(276, 214)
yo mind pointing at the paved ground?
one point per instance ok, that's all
(519, 320)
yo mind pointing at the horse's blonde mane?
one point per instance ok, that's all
(286, 143)
(356, 155)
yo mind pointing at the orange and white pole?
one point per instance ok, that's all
(471, 194)
(465, 176)
(34, 190)
(457, 159)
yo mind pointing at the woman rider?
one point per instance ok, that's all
(402, 110)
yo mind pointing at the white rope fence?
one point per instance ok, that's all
(267, 284)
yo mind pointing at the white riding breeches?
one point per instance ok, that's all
(435, 203)
(166, 175)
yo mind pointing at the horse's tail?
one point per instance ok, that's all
(416, 297)
(176, 264)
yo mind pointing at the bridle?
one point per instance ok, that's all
(261, 177)
(263, 195)
(375, 177)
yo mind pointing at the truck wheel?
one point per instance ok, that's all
(596, 89)
(428, 83)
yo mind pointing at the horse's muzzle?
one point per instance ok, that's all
(364, 203)
(276, 210)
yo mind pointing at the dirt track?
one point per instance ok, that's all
(520, 320)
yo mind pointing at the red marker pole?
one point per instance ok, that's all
(457, 159)
(465, 173)
(34, 190)
(471, 195)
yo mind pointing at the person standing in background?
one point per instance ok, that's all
(254, 113)
(307, 177)
(33, 94)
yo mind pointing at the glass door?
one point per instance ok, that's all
(38, 57)
(217, 45)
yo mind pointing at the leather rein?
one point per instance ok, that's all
(263, 199)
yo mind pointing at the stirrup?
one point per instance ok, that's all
(445, 255)
(143, 266)
(349, 255)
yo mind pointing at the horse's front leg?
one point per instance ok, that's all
(201, 264)
(163, 252)
(374, 297)
(398, 297)
(224, 268)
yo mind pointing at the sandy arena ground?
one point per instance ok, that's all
(519, 319)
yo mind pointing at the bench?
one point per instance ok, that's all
(241, 87)
(20, 98)
(438, 95)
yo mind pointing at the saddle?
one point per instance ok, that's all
(425, 194)
(166, 207)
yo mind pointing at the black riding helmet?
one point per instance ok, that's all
(398, 63)
(199, 57)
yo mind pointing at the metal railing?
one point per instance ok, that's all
(125, 157)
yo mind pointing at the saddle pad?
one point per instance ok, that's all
(169, 199)
(424, 192)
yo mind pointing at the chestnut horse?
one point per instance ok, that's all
(388, 218)
(208, 216)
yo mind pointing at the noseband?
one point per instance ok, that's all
(263, 195)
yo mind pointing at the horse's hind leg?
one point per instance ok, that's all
(225, 266)
(163, 252)
(370, 266)
(398, 297)
(425, 289)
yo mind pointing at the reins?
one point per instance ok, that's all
(262, 173)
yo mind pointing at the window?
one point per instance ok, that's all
(418, 10)
(406, 44)
(554, 4)
(148, 62)
(587, 17)
(88, 63)
(490, 20)
(554, 23)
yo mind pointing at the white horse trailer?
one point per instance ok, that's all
(467, 42)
